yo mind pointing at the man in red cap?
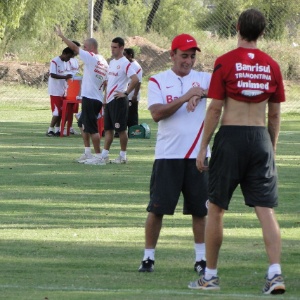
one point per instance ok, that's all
(178, 142)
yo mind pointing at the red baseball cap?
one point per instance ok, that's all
(184, 42)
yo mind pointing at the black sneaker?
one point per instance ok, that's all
(50, 133)
(200, 266)
(57, 133)
(147, 265)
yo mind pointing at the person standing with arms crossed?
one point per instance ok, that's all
(119, 73)
(135, 95)
(94, 74)
(174, 169)
(244, 149)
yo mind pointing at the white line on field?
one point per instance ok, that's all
(137, 291)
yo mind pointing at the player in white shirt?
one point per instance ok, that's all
(135, 95)
(94, 74)
(178, 141)
(72, 67)
(120, 72)
(56, 88)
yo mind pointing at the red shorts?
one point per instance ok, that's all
(56, 105)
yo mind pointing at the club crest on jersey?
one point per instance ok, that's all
(251, 55)
(117, 125)
(196, 84)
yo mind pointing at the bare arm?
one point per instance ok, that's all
(274, 122)
(133, 82)
(163, 111)
(69, 43)
(136, 91)
(56, 76)
(211, 122)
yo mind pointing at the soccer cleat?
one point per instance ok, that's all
(274, 285)
(204, 284)
(97, 161)
(119, 160)
(200, 266)
(50, 133)
(84, 157)
(57, 133)
(72, 131)
(147, 265)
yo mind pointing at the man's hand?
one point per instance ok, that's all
(57, 30)
(200, 161)
(194, 96)
(119, 94)
(193, 102)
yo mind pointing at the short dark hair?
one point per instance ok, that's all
(76, 43)
(129, 51)
(119, 41)
(251, 24)
(68, 51)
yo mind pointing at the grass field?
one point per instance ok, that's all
(72, 231)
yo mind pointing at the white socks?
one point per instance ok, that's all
(87, 150)
(199, 252)
(149, 253)
(104, 153)
(274, 269)
(123, 154)
(209, 273)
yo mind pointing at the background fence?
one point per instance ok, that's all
(27, 41)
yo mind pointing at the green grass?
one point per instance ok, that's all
(72, 231)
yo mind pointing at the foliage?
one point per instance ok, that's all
(35, 19)
(224, 15)
(11, 12)
(173, 18)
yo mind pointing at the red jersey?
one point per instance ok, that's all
(248, 75)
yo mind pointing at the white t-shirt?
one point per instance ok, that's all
(178, 136)
(118, 76)
(56, 87)
(72, 66)
(94, 74)
(139, 72)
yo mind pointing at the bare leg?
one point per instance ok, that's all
(85, 137)
(55, 120)
(213, 234)
(109, 137)
(152, 230)
(198, 229)
(271, 233)
(123, 140)
(96, 141)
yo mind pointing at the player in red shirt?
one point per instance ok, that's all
(246, 83)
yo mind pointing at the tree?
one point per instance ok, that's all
(152, 14)
(10, 14)
(98, 9)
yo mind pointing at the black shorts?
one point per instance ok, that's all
(88, 119)
(243, 155)
(116, 114)
(169, 178)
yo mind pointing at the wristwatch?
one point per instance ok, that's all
(126, 93)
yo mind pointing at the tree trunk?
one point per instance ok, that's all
(98, 9)
(152, 14)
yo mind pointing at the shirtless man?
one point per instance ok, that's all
(246, 83)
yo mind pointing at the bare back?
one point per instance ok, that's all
(244, 113)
